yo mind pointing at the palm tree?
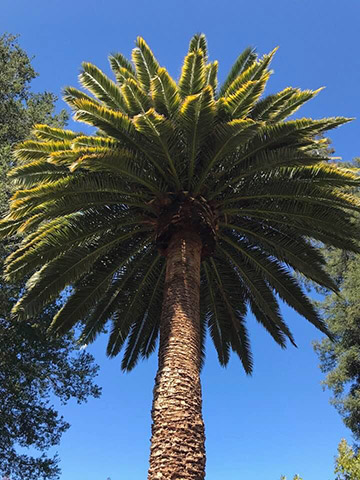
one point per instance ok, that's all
(190, 200)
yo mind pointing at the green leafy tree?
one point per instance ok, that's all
(31, 365)
(296, 477)
(340, 358)
(190, 200)
(347, 464)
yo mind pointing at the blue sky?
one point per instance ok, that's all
(279, 420)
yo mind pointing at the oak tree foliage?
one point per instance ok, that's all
(340, 358)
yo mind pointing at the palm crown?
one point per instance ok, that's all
(97, 211)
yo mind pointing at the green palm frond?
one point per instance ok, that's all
(121, 67)
(137, 101)
(286, 246)
(164, 93)
(44, 132)
(272, 104)
(294, 133)
(160, 131)
(71, 95)
(198, 42)
(228, 138)
(35, 173)
(130, 311)
(94, 80)
(146, 65)
(241, 102)
(256, 71)
(128, 270)
(294, 103)
(93, 288)
(233, 300)
(245, 60)
(34, 215)
(262, 301)
(144, 330)
(61, 234)
(87, 141)
(25, 202)
(33, 150)
(64, 270)
(120, 162)
(196, 117)
(215, 318)
(285, 186)
(278, 278)
(193, 74)
(114, 123)
(211, 71)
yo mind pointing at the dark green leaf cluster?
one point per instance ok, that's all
(20, 109)
(340, 360)
(91, 207)
(32, 366)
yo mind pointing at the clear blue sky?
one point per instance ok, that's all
(279, 420)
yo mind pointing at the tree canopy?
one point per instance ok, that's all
(340, 358)
(248, 173)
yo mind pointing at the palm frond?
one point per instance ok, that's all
(232, 296)
(164, 93)
(241, 102)
(44, 132)
(158, 128)
(215, 319)
(144, 330)
(146, 65)
(31, 150)
(198, 42)
(48, 282)
(287, 246)
(128, 266)
(104, 89)
(261, 297)
(294, 103)
(57, 236)
(120, 162)
(137, 101)
(90, 290)
(71, 95)
(193, 74)
(133, 310)
(245, 60)
(279, 279)
(35, 173)
(254, 72)
(121, 67)
(228, 137)
(211, 71)
(196, 117)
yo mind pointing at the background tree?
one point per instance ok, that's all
(340, 358)
(190, 200)
(32, 366)
(296, 477)
(347, 463)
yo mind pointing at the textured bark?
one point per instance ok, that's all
(178, 438)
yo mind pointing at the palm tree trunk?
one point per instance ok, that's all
(178, 438)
